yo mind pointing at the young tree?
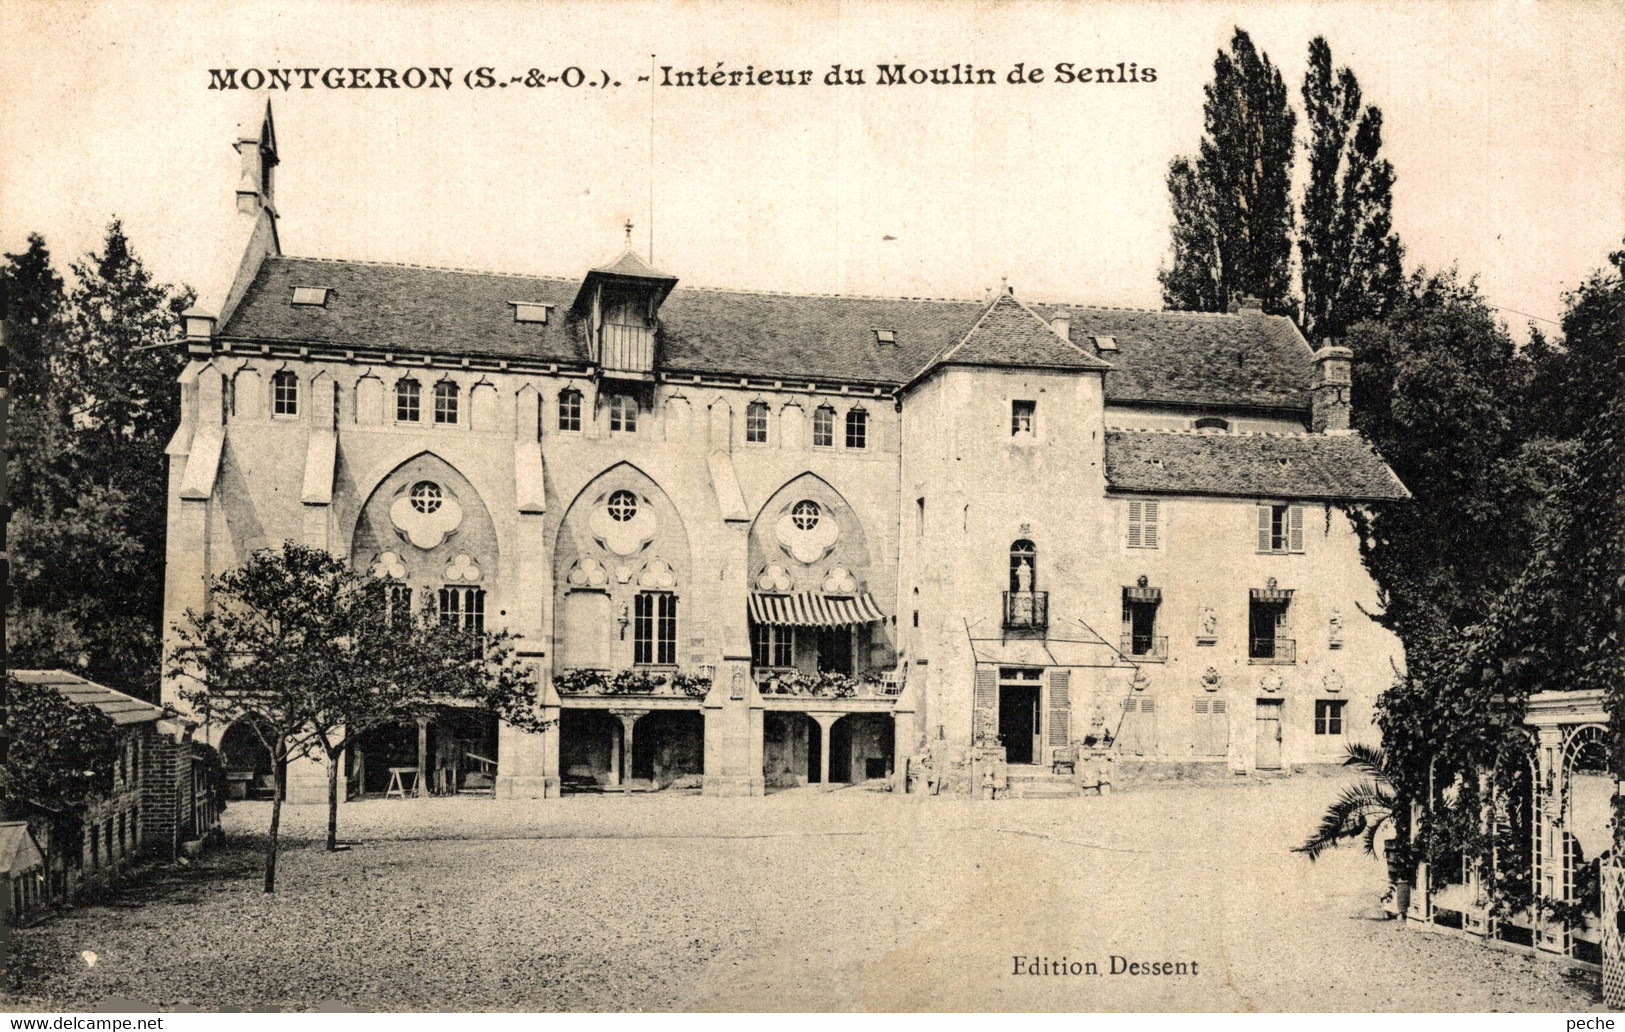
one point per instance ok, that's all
(1350, 258)
(59, 756)
(309, 645)
(1232, 205)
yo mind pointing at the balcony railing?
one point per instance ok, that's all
(628, 347)
(1026, 610)
(1272, 651)
(788, 681)
(1151, 647)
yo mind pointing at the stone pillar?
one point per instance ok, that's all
(733, 732)
(629, 722)
(423, 756)
(825, 722)
(615, 756)
(902, 723)
(528, 761)
(1550, 936)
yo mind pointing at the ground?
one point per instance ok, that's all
(801, 901)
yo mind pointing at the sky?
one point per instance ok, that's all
(1505, 121)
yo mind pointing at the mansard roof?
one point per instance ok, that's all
(1310, 467)
(1167, 358)
(124, 709)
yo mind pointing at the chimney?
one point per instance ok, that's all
(1061, 323)
(1331, 391)
(1246, 306)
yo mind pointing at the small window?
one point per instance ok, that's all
(654, 628)
(408, 401)
(313, 296)
(570, 410)
(1143, 528)
(1021, 418)
(756, 423)
(823, 427)
(1280, 528)
(886, 336)
(1212, 423)
(445, 403)
(806, 514)
(772, 645)
(1106, 343)
(529, 312)
(1329, 716)
(462, 608)
(426, 497)
(622, 506)
(285, 393)
(623, 414)
(398, 606)
(857, 429)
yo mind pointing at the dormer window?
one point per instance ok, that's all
(1212, 423)
(529, 311)
(313, 297)
(885, 336)
(1106, 343)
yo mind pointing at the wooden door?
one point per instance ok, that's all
(1267, 734)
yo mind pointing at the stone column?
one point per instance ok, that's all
(733, 732)
(423, 756)
(1550, 936)
(902, 723)
(825, 722)
(629, 720)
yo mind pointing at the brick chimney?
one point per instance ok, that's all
(1331, 391)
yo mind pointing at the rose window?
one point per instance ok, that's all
(426, 497)
(805, 515)
(623, 505)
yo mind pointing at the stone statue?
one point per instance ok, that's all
(1024, 576)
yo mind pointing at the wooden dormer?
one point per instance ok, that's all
(619, 307)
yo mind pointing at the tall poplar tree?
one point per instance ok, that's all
(1349, 254)
(1232, 205)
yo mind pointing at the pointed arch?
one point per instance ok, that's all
(774, 541)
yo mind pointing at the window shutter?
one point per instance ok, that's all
(1296, 542)
(1263, 528)
(1060, 708)
(1135, 515)
(1147, 737)
(1201, 739)
(986, 703)
(1148, 535)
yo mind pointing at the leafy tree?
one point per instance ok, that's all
(98, 368)
(308, 650)
(1232, 205)
(59, 755)
(1350, 258)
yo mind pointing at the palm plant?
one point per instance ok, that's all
(1362, 811)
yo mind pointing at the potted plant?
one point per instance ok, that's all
(1363, 811)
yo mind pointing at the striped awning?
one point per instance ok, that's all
(813, 609)
(1137, 594)
(1277, 595)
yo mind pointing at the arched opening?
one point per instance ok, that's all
(589, 750)
(1587, 833)
(249, 767)
(668, 749)
(792, 749)
(860, 748)
(1023, 566)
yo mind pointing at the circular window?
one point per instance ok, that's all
(805, 515)
(426, 497)
(623, 505)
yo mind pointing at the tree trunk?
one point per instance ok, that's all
(278, 776)
(333, 761)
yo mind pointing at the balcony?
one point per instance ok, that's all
(1272, 651)
(1148, 648)
(627, 348)
(1026, 610)
(887, 684)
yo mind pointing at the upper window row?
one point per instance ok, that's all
(1280, 527)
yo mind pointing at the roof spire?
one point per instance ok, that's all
(629, 234)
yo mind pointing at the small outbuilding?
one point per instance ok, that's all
(22, 872)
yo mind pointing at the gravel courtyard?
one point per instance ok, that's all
(800, 901)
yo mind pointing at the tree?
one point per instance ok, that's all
(97, 372)
(310, 650)
(59, 756)
(1232, 205)
(1349, 256)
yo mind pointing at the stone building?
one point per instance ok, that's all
(757, 539)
